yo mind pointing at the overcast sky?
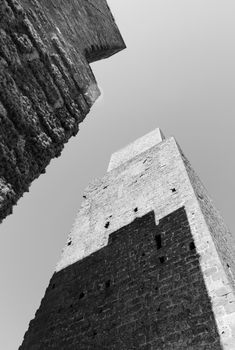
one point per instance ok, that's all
(178, 74)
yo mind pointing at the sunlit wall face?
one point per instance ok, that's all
(178, 74)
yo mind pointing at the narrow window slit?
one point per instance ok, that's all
(107, 224)
(192, 246)
(107, 284)
(158, 240)
(81, 295)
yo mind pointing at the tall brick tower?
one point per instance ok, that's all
(149, 263)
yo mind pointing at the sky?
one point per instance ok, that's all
(177, 73)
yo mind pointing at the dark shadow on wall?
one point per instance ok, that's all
(144, 290)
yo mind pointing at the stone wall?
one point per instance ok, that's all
(46, 84)
(224, 240)
(153, 180)
(144, 290)
(160, 181)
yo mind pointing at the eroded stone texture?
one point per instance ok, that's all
(144, 290)
(46, 84)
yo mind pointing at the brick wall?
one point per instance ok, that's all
(144, 290)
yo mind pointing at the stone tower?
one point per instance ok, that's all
(47, 86)
(149, 263)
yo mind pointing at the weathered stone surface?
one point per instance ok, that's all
(148, 220)
(144, 290)
(46, 84)
(135, 148)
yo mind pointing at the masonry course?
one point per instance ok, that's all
(46, 84)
